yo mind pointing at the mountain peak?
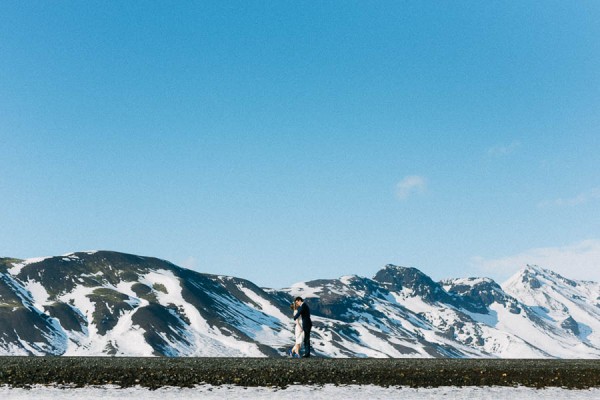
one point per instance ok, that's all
(536, 270)
(535, 277)
(395, 279)
(479, 293)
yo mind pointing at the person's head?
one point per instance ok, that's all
(293, 306)
(298, 301)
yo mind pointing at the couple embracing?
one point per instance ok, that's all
(302, 327)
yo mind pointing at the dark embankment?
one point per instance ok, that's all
(158, 372)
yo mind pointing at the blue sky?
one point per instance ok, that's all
(287, 141)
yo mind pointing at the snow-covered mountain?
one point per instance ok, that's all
(108, 303)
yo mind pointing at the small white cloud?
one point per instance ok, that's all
(581, 198)
(409, 185)
(504, 150)
(579, 261)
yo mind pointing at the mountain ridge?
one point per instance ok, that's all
(118, 304)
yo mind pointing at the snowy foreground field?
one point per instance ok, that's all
(329, 392)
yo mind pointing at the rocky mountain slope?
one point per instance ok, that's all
(108, 303)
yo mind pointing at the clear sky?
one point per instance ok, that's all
(287, 141)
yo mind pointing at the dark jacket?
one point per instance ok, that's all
(304, 312)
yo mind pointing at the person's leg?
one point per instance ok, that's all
(307, 343)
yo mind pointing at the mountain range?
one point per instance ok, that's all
(116, 304)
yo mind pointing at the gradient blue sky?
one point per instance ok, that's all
(286, 141)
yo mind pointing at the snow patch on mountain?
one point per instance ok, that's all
(17, 267)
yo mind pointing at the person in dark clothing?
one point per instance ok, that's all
(304, 312)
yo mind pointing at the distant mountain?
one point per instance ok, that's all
(109, 303)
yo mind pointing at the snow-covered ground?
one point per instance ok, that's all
(329, 392)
